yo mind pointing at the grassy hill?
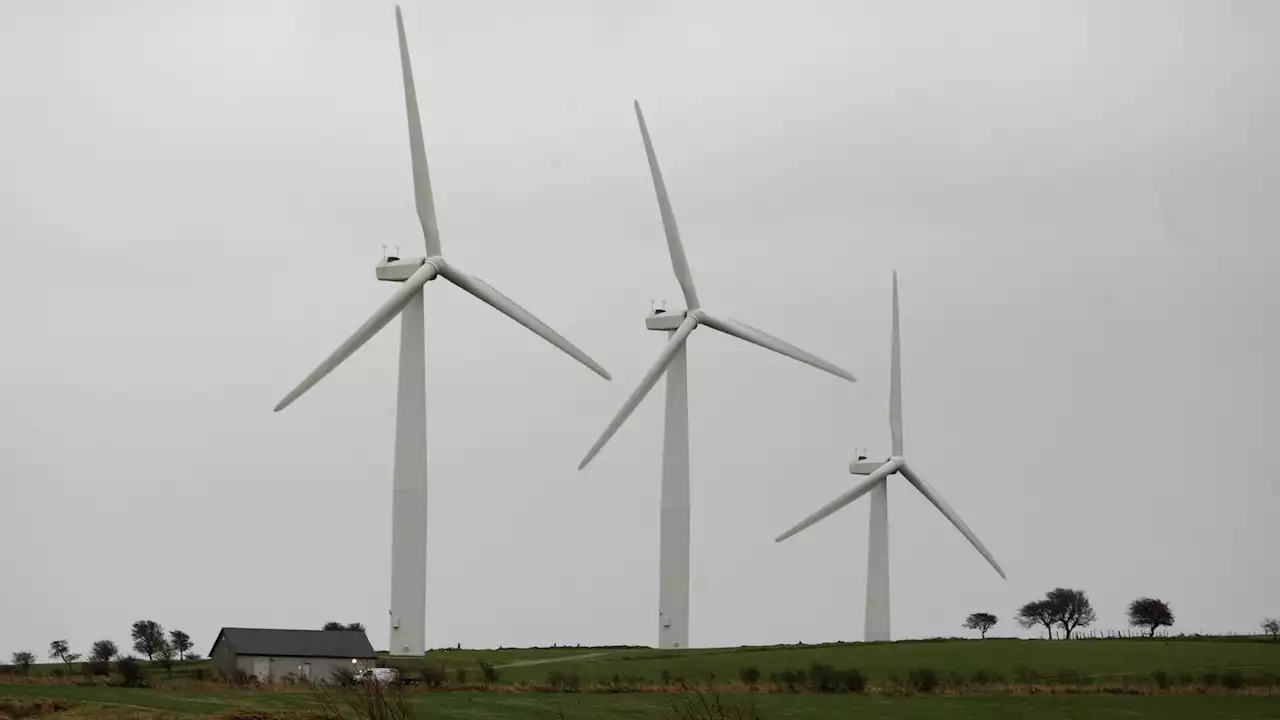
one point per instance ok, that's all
(1003, 660)
(997, 678)
(1006, 659)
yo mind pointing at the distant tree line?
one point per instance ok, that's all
(1068, 610)
(149, 638)
(160, 646)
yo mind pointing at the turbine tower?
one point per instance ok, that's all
(673, 552)
(878, 471)
(409, 478)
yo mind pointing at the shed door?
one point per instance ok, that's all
(262, 668)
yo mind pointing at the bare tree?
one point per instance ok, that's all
(1071, 609)
(982, 622)
(1037, 612)
(1271, 626)
(60, 650)
(1150, 613)
(24, 660)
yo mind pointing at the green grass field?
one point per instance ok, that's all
(1101, 659)
(120, 703)
(1076, 679)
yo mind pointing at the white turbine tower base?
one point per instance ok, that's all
(409, 479)
(878, 471)
(673, 550)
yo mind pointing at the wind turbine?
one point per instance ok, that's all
(878, 471)
(409, 478)
(673, 575)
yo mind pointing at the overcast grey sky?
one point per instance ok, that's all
(1081, 198)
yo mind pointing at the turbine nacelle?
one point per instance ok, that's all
(665, 320)
(865, 465)
(393, 269)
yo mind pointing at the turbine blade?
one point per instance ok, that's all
(765, 340)
(511, 309)
(679, 262)
(383, 315)
(928, 491)
(417, 149)
(858, 491)
(646, 384)
(895, 378)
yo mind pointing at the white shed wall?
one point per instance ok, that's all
(277, 668)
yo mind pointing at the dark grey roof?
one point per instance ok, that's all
(296, 643)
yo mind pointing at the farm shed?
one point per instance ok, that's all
(277, 654)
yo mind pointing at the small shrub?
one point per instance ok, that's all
(1233, 680)
(750, 676)
(199, 673)
(923, 679)
(130, 672)
(489, 672)
(433, 676)
(1026, 675)
(1210, 679)
(789, 679)
(460, 676)
(852, 680)
(822, 678)
(665, 677)
(1163, 680)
